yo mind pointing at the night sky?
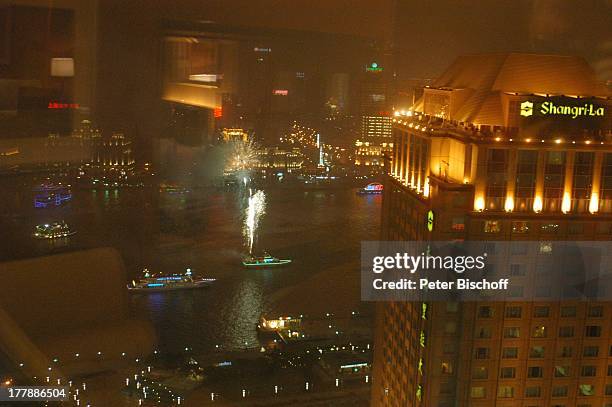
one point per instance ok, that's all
(431, 33)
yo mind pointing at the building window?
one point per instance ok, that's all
(595, 312)
(534, 371)
(586, 389)
(566, 352)
(575, 228)
(583, 176)
(566, 332)
(497, 178)
(513, 312)
(505, 392)
(484, 332)
(541, 312)
(525, 179)
(593, 331)
(478, 392)
(533, 391)
(550, 228)
(515, 291)
(452, 306)
(538, 332)
(480, 372)
(485, 312)
(517, 270)
(458, 224)
(559, 391)
(512, 332)
(447, 368)
(562, 371)
(492, 226)
(481, 353)
(608, 389)
(609, 370)
(554, 178)
(604, 228)
(590, 351)
(568, 312)
(517, 248)
(536, 352)
(510, 353)
(546, 247)
(588, 371)
(450, 327)
(520, 227)
(507, 373)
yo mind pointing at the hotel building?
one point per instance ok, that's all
(376, 124)
(500, 147)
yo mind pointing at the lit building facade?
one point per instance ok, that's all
(91, 152)
(234, 134)
(376, 124)
(497, 152)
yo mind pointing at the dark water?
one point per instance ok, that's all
(202, 230)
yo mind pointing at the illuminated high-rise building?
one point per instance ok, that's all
(375, 139)
(500, 147)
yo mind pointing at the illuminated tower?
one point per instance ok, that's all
(484, 156)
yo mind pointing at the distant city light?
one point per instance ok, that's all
(280, 92)
(205, 77)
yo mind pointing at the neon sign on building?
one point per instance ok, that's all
(549, 108)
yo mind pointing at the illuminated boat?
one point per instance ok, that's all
(372, 188)
(51, 195)
(264, 261)
(173, 189)
(53, 230)
(185, 281)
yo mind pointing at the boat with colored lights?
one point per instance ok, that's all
(153, 283)
(264, 261)
(372, 188)
(48, 194)
(53, 230)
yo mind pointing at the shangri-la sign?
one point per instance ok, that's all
(549, 108)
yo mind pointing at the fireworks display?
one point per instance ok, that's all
(242, 157)
(255, 210)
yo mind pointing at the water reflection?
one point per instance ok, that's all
(319, 230)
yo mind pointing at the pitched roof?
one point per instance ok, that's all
(523, 73)
(491, 75)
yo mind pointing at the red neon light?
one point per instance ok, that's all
(281, 92)
(59, 105)
(218, 112)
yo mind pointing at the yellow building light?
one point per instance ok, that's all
(509, 205)
(426, 188)
(594, 203)
(479, 204)
(566, 205)
(537, 204)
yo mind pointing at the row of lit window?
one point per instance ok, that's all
(522, 227)
(533, 372)
(536, 391)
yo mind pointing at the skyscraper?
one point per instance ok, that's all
(374, 109)
(495, 151)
